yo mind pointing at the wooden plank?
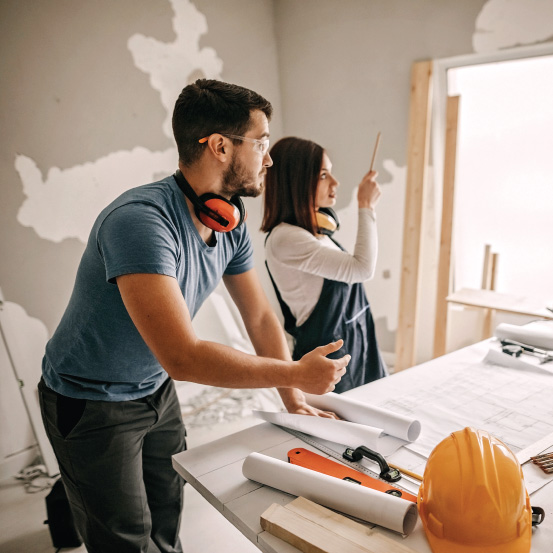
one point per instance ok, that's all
(443, 284)
(489, 314)
(417, 161)
(493, 271)
(508, 303)
(486, 268)
(315, 529)
(488, 283)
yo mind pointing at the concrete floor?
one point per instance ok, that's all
(22, 514)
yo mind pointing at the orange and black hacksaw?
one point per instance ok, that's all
(307, 459)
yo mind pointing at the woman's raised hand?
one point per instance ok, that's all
(369, 191)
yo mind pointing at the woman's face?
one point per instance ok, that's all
(326, 186)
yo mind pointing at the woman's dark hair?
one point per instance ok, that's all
(291, 184)
(209, 106)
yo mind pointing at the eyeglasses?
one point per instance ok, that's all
(261, 145)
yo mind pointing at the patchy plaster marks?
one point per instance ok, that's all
(66, 202)
(169, 65)
(508, 23)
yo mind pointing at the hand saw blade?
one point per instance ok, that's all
(328, 447)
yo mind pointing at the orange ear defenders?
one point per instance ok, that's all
(214, 211)
(327, 221)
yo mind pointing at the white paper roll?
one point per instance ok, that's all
(358, 501)
(538, 336)
(349, 434)
(353, 410)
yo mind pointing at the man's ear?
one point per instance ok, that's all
(218, 147)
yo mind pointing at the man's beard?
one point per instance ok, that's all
(238, 182)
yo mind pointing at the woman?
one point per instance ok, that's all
(318, 284)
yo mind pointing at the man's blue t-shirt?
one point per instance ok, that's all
(96, 352)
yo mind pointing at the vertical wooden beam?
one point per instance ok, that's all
(443, 285)
(493, 276)
(489, 314)
(486, 270)
(417, 161)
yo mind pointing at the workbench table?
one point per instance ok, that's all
(215, 469)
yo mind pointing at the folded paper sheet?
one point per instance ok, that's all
(374, 427)
(538, 334)
(358, 501)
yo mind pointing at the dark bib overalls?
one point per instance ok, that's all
(342, 311)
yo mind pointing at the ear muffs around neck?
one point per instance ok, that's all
(214, 211)
(327, 221)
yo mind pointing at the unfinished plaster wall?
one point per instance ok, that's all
(87, 87)
(345, 74)
(87, 93)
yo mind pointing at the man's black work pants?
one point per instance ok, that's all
(115, 462)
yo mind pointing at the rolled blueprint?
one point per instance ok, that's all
(351, 434)
(353, 410)
(361, 502)
(537, 335)
(378, 429)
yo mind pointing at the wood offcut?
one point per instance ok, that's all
(313, 528)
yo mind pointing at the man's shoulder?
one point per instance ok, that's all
(159, 194)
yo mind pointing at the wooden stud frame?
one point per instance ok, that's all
(417, 163)
(443, 284)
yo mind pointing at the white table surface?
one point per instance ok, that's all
(215, 469)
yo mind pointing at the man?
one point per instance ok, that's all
(107, 395)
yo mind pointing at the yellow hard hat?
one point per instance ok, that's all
(473, 498)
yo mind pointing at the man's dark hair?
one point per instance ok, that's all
(291, 184)
(209, 106)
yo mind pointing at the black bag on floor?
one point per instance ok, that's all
(60, 518)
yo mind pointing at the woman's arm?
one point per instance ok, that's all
(297, 248)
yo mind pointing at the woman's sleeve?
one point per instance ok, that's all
(297, 248)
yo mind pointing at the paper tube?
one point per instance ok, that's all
(347, 433)
(361, 502)
(538, 337)
(352, 410)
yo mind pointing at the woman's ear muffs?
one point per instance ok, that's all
(214, 211)
(327, 221)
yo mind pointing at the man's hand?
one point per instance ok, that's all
(295, 403)
(316, 373)
(306, 409)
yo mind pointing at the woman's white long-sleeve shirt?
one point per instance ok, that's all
(300, 262)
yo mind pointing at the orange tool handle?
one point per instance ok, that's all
(309, 460)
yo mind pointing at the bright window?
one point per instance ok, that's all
(504, 177)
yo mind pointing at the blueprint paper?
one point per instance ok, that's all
(394, 424)
(350, 434)
(511, 404)
(361, 502)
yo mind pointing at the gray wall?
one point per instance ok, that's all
(337, 71)
(345, 75)
(71, 96)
